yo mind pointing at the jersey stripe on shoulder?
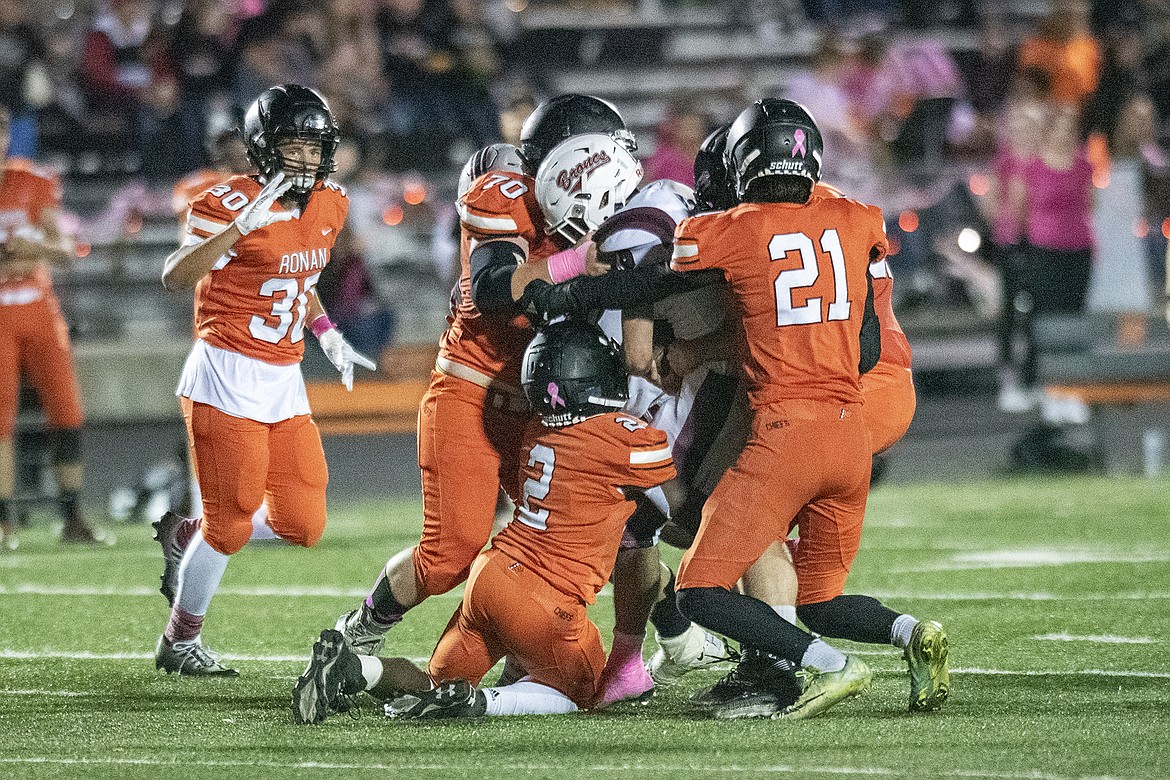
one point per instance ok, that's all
(686, 251)
(487, 221)
(650, 457)
(204, 227)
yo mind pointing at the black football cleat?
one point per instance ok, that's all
(761, 685)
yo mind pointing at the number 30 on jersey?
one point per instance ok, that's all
(290, 293)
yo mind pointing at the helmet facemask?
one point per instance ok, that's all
(288, 113)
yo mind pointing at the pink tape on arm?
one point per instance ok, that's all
(320, 325)
(566, 264)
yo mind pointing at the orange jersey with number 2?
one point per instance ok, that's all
(255, 299)
(569, 522)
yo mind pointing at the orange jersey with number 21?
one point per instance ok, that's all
(798, 276)
(255, 299)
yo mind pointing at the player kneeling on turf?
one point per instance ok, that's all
(526, 595)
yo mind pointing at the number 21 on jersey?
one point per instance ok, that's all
(810, 312)
(537, 489)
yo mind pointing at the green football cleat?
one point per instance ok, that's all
(930, 678)
(824, 689)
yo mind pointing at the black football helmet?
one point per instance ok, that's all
(291, 112)
(573, 371)
(713, 190)
(564, 116)
(773, 137)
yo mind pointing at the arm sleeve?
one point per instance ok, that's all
(871, 331)
(492, 266)
(635, 288)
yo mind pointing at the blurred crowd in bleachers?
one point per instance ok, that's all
(951, 115)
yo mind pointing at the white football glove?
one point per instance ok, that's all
(343, 356)
(259, 214)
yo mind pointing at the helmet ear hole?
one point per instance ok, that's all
(582, 181)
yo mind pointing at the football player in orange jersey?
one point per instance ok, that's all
(527, 594)
(174, 531)
(254, 250)
(34, 337)
(472, 417)
(810, 332)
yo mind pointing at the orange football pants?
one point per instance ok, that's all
(467, 449)
(889, 400)
(34, 338)
(508, 609)
(806, 464)
(240, 463)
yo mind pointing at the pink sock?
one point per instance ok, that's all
(626, 648)
(183, 626)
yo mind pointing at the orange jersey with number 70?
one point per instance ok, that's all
(500, 204)
(797, 274)
(255, 299)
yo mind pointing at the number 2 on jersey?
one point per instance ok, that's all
(537, 488)
(282, 309)
(808, 313)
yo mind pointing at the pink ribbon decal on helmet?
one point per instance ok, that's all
(798, 134)
(554, 393)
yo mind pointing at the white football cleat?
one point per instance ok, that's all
(695, 648)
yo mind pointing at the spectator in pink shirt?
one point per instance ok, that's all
(680, 134)
(1056, 202)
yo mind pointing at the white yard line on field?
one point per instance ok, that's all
(1102, 639)
(655, 767)
(307, 591)
(1060, 673)
(46, 693)
(1031, 558)
(85, 655)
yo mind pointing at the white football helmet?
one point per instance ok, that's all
(497, 157)
(582, 181)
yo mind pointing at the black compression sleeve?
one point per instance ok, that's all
(492, 265)
(871, 332)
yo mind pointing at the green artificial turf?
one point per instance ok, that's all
(1054, 594)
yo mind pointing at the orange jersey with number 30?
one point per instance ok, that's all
(500, 204)
(798, 276)
(192, 186)
(569, 523)
(255, 298)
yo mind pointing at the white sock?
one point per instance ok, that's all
(261, 530)
(527, 698)
(371, 670)
(196, 499)
(823, 657)
(199, 574)
(902, 629)
(786, 611)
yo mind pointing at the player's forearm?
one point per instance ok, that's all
(188, 264)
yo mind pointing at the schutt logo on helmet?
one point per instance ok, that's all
(569, 180)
